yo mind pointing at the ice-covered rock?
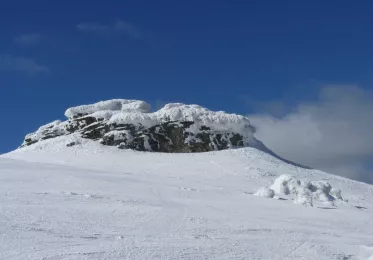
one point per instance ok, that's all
(336, 193)
(285, 184)
(303, 196)
(51, 130)
(129, 124)
(302, 192)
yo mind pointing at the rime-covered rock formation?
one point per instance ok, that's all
(129, 124)
(302, 192)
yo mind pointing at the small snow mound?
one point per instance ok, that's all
(302, 192)
(265, 192)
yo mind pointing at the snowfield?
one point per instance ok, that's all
(97, 202)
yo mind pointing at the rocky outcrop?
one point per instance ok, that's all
(128, 124)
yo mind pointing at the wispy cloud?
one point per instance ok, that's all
(332, 133)
(22, 65)
(28, 39)
(118, 28)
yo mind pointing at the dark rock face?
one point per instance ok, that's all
(168, 136)
(171, 137)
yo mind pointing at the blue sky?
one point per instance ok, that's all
(238, 56)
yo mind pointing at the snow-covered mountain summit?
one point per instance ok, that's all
(70, 193)
(130, 124)
(92, 201)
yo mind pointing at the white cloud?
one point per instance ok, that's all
(333, 133)
(28, 39)
(22, 65)
(118, 28)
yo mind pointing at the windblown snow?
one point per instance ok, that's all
(92, 201)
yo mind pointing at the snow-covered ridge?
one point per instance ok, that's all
(130, 124)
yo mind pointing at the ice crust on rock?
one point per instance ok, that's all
(124, 105)
(218, 121)
(302, 192)
(138, 112)
(50, 130)
(120, 110)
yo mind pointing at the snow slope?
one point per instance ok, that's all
(97, 202)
